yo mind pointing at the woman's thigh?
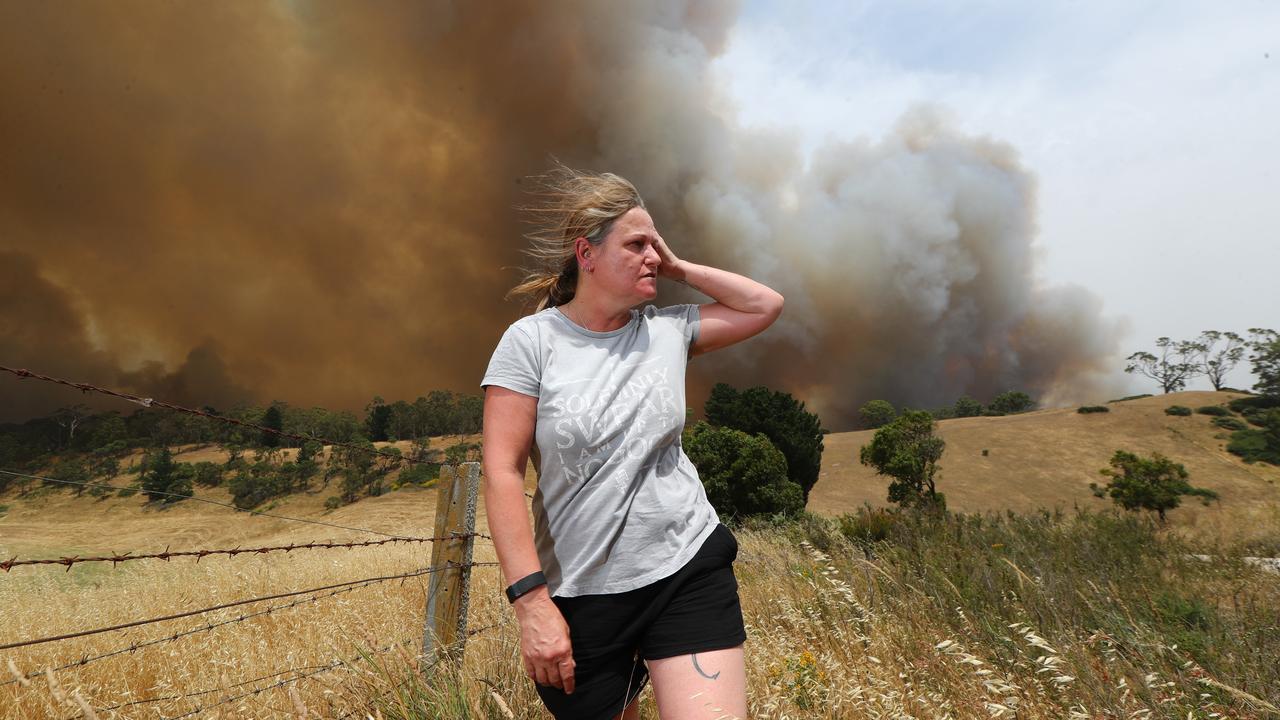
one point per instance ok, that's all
(711, 685)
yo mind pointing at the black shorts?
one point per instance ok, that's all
(694, 610)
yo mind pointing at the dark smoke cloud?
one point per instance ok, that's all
(226, 201)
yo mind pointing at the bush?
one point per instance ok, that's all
(1130, 397)
(1178, 410)
(967, 407)
(207, 474)
(877, 413)
(259, 483)
(423, 474)
(1012, 402)
(1156, 483)
(163, 480)
(1254, 416)
(794, 431)
(868, 525)
(907, 451)
(333, 502)
(1229, 423)
(1257, 402)
(1090, 409)
(1214, 410)
(1261, 445)
(744, 475)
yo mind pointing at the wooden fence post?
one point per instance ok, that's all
(450, 586)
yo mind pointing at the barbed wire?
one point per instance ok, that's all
(5, 565)
(154, 403)
(209, 627)
(276, 596)
(212, 502)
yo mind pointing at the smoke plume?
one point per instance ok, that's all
(223, 202)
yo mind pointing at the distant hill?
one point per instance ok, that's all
(1047, 459)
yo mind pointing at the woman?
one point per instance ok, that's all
(627, 572)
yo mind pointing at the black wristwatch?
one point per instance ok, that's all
(525, 584)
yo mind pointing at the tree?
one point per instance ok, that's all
(272, 419)
(1261, 444)
(908, 451)
(1156, 483)
(1011, 402)
(967, 407)
(1178, 362)
(877, 413)
(743, 474)
(796, 432)
(162, 479)
(69, 418)
(1265, 356)
(377, 419)
(1215, 361)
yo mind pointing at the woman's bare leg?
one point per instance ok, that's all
(711, 685)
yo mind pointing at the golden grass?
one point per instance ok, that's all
(828, 638)
(1047, 459)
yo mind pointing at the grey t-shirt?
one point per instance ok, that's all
(619, 505)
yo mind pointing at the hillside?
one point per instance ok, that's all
(1047, 459)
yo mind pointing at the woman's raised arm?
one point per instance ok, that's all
(742, 307)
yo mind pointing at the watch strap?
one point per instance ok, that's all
(525, 584)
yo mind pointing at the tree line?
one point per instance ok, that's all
(1212, 355)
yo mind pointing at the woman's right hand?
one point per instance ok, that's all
(544, 641)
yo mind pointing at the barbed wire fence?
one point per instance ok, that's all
(444, 633)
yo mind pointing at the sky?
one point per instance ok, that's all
(1150, 129)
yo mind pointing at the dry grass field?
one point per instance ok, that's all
(988, 623)
(1047, 459)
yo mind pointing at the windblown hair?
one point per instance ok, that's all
(568, 204)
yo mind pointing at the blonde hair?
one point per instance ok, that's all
(568, 204)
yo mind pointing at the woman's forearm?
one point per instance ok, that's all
(729, 289)
(508, 518)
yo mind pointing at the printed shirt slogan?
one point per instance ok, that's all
(619, 423)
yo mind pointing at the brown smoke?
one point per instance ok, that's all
(214, 202)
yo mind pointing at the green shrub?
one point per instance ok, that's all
(1254, 416)
(877, 413)
(1228, 423)
(1010, 403)
(967, 407)
(868, 525)
(1214, 410)
(1261, 445)
(1257, 402)
(1089, 409)
(744, 475)
(462, 452)
(1130, 397)
(207, 474)
(257, 484)
(1178, 410)
(424, 474)
(333, 502)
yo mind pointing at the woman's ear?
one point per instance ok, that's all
(582, 248)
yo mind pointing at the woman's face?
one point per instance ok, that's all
(626, 262)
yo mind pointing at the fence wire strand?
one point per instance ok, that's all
(189, 613)
(208, 627)
(116, 558)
